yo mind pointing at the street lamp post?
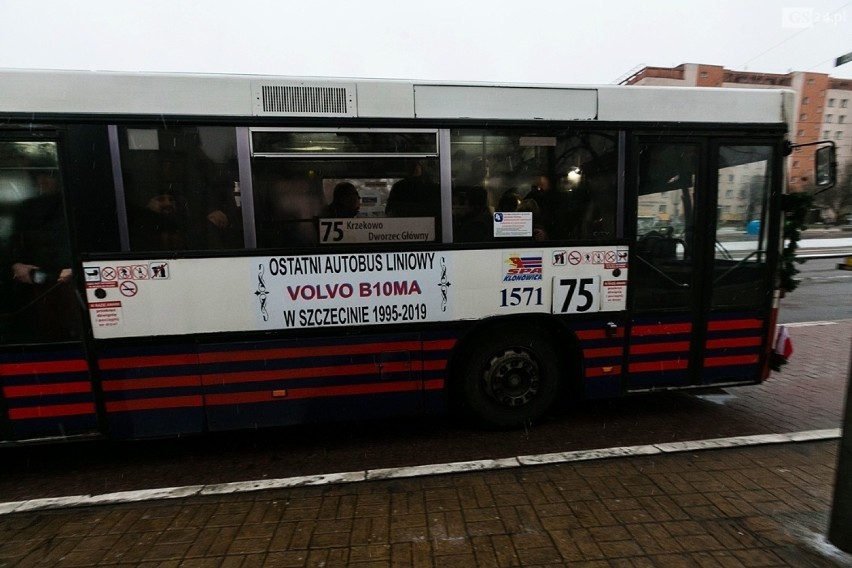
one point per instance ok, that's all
(840, 526)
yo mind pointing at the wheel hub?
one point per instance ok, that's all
(512, 378)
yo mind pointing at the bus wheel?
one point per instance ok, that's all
(510, 377)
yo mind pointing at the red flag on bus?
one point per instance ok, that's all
(784, 345)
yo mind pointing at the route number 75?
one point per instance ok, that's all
(331, 231)
(576, 295)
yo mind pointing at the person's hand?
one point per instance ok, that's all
(65, 275)
(23, 272)
(218, 219)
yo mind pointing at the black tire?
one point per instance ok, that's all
(510, 376)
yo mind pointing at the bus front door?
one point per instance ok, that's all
(666, 304)
(700, 284)
(45, 385)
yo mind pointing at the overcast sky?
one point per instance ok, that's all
(544, 41)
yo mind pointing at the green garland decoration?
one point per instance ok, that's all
(796, 207)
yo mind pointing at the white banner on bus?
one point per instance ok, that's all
(137, 298)
(355, 289)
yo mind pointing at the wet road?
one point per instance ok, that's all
(824, 293)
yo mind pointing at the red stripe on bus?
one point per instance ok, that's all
(590, 334)
(434, 384)
(320, 392)
(309, 372)
(47, 389)
(296, 352)
(114, 363)
(670, 347)
(734, 342)
(43, 367)
(439, 344)
(592, 372)
(436, 365)
(735, 324)
(151, 383)
(660, 329)
(733, 360)
(193, 401)
(602, 352)
(673, 365)
(51, 411)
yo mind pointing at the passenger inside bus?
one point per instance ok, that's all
(477, 224)
(539, 201)
(416, 195)
(509, 201)
(45, 306)
(160, 225)
(345, 203)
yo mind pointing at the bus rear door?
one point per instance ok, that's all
(45, 383)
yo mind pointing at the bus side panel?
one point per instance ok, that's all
(437, 349)
(733, 348)
(152, 390)
(282, 382)
(47, 392)
(659, 351)
(602, 349)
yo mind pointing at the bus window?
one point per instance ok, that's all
(545, 185)
(300, 181)
(665, 226)
(744, 186)
(179, 188)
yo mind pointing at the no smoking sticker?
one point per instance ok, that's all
(128, 288)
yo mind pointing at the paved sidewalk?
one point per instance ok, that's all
(752, 506)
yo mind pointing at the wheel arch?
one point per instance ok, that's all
(555, 329)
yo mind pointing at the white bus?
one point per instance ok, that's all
(191, 253)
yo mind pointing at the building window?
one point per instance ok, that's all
(828, 118)
(803, 116)
(810, 81)
(826, 134)
(796, 163)
(806, 100)
(838, 135)
(844, 103)
(831, 102)
(841, 119)
(800, 133)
